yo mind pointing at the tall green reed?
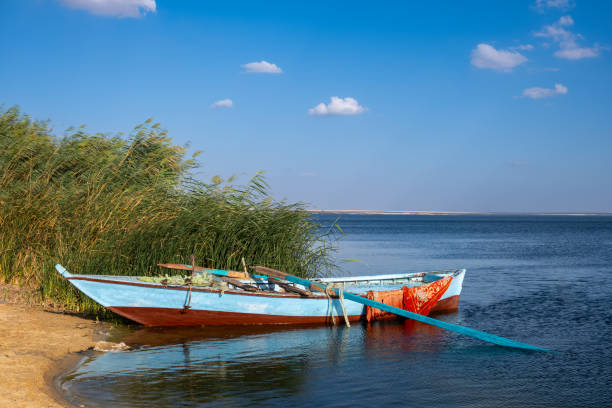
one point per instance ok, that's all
(103, 204)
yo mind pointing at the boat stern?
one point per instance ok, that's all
(62, 271)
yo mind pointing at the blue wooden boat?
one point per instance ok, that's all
(272, 302)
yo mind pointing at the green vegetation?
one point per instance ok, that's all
(110, 205)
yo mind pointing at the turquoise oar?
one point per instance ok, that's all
(491, 338)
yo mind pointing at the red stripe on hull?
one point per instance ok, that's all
(154, 316)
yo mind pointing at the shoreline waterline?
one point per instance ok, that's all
(37, 347)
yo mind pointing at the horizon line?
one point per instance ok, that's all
(444, 212)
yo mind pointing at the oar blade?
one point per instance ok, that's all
(491, 338)
(467, 331)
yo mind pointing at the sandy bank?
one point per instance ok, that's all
(34, 346)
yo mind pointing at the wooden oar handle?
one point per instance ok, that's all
(262, 270)
(288, 287)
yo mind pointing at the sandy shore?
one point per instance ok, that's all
(35, 345)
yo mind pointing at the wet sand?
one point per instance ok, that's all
(35, 347)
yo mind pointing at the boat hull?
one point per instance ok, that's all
(155, 316)
(152, 304)
(448, 304)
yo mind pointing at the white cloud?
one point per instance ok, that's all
(262, 67)
(539, 93)
(567, 40)
(116, 8)
(223, 103)
(559, 4)
(485, 56)
(525, 47)
(556, 32)
(566, 21)
(577, 53)
(338, 106)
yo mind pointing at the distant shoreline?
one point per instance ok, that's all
(409, 212)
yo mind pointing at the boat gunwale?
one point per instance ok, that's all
(449, 272)
(194, 288)
(245, 293)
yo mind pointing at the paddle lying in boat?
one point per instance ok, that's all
(491, 338)
(217, 272)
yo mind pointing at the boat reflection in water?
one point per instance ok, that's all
(250, 365)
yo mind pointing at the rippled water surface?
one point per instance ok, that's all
(539, 280)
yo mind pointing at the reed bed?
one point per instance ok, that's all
(101, 204)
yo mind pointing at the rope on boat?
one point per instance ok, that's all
(346, 320)
(189, 281)
(331, 310)
(188, 304)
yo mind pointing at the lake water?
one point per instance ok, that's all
(540, 280)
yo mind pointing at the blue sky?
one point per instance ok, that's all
(442, 105)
